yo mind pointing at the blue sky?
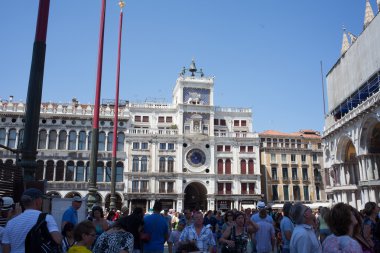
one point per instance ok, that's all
(264, 54)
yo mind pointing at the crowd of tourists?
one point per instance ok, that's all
(295, 228)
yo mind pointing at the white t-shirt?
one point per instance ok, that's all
(17, 228)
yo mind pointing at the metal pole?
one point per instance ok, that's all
(92, 188)
(116, 115)
(33, 100)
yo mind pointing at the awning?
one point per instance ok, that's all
(311, 205)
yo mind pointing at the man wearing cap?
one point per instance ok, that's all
(71, 213)
(256, 218)
(303, 238)
(17, 228)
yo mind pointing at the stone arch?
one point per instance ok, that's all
(341, 148)
(119, 201)
(366, 130)
(54, 194)
(195, 196)
(72, 194)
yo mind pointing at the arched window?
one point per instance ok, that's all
(40, 170)
(109, 141)
(82, 140)
(12, 138)
(108, 171)
(62, 140)
(41, 140)
(52, 139)
(228, 166)
(69, 171)
(20, 137)
(251, 168)
(59, 171)
(161, 165)
(49, 174)
(170, 164)
(243, 167)
(72, 140)
(99, 172)
(135, 164)
(2, 136)
(119, 172)
(144, 164)
(102, 141)
(120, 142)
(220, 166)
(79, 175)
(89, 140)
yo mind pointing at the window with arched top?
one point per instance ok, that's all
(119, 171)
(69, 171)
(251, 167)
(82, 140)
(161, 165)
(109, 141)
(72, 140)
(99, 172)
(144, 164)
(170, 164)
(228, 167)
(102, 141)
(52, 139)
(41, 139)
(120, 142)
(12, 138)
(79, 174)
(243, 167)
(62, 140)
(59, 170)
(49, 174)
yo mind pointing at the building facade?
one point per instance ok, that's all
(352, 127)
(187, 154)
(291, 166)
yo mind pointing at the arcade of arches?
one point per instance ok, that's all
(354, 176)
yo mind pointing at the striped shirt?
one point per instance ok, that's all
(204, 240)
(17, 228)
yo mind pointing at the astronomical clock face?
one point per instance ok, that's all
(196, 157)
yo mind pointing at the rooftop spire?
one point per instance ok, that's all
(368, 14)
(345, 43)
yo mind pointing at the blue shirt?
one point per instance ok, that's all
(286, 225)
(204, 240)
(157, 227)
(256, 218)
(304, 240)
(70, 215)
(264, 236)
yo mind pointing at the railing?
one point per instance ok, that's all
(148, 131)
(232, 109)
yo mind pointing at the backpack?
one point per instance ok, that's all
(39, 240)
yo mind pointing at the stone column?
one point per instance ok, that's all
(372, 195)
(76, 140)
(353, 197)
(369, 167)
(344, 197)
(375, 167)
(154, 157)
(365, 195)
(7, 135)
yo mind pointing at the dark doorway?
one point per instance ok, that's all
(196, 197)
